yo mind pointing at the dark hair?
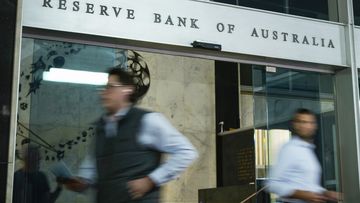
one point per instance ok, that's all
(302, 111)
(125, 78)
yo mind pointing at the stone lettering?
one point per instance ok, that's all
(314, 42)
(254, 33)
(62, 4)
(89, 8)
(275, 35)
(265, 33)
(157, 18)
(284, 34)
(193, 23)
(181, 21)
(76, 6)
(295, 38)
(103, 10)
(305, 40)
(231, 28)
(130, 14)
(291, 37)
(169, 21)
(186, 22)
(116, 11)
(46, 3)
(220, 27)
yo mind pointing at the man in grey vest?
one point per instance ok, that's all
(125, 163)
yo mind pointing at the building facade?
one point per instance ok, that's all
(228, 74)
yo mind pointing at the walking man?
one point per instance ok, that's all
(296, 176)
(128, 147)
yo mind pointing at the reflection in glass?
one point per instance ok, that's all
(277, 95)
(356, 4)
(58, 117)
(320, 9)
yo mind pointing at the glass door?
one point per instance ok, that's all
(278, 92)
(59, 103)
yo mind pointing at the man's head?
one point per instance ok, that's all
(304, 123)
(119, 90)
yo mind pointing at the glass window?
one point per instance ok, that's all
(58, 108)
(356, 4)
(320, 9)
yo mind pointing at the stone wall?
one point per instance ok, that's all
(183, 89)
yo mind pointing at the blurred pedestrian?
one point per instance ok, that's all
(297, 175)
(128, 147)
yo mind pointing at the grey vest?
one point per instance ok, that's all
(121, 159)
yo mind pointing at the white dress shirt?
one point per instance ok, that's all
(297, 168)
(156, 133)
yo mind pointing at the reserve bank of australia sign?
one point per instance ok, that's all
(180, 22)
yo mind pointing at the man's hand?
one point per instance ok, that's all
(333, 196)
(309, 196)
(139, 187)
(75, 184)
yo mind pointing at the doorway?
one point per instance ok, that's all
(57, 113)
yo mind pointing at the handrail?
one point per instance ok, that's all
(253, 194)
(43, 142)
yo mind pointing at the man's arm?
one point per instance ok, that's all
(279, 181)
(157, 133)
(87, 173)
(162, 136)
(309, 196)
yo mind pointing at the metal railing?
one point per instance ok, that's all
(253, 194)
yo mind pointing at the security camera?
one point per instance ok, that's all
(206, 45)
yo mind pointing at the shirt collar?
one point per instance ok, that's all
(300, 142)
(117, 116)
